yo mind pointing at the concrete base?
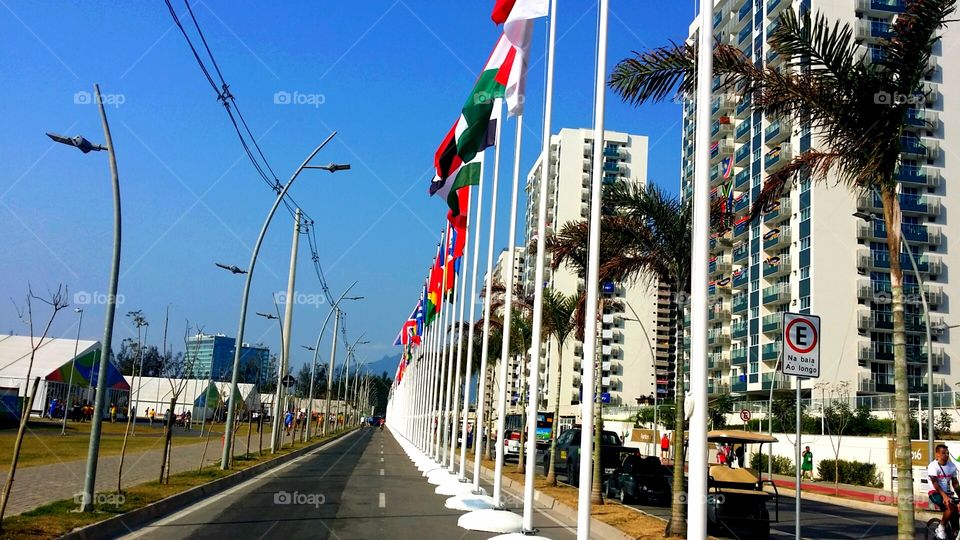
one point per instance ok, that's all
(470, 502)
(495, 521)
(441, 476)
(454, 487)
(518, 536)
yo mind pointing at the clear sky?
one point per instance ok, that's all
(389, 76)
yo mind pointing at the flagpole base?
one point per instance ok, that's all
(491, 520)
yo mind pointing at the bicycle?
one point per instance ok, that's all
(933, 523)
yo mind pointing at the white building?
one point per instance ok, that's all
(810, 254)
(626, 346)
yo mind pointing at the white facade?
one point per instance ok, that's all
(627, 351)
(811, 254)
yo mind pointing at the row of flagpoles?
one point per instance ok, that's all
(426, 404)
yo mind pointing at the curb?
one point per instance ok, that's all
(124, 523)
(880, 500)
(546, 502)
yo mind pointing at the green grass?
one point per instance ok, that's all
(43, 444)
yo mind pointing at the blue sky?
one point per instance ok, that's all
(390, 76)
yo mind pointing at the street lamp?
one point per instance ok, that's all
(333, 353)
(653, 355)
(231, 267)
(229, 432)
(346, 369)
(926, 311)
(93, 451)
(73, 364)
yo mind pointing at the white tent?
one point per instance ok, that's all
(155, 393)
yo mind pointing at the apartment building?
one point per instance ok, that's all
(809, 253)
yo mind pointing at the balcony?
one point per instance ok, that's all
(718, 360)
(740, 280)
(717, 388)
(772, 324)
(739, 303)
(881, 7)
(742, 132)
(738, 356)
(777, 158)
(927, 205)
(721, 127)
(770, 351)
(741, 252)
(744, 11)
(776, 294)
(918, 148)
(922, 119)
(920, 176)
(741, 203)
(719, 265)
(774, 379)
(777, 212)
(742, 154)
(740, 229)
(873, 31)
(721, 103)
(744, 33)
(776, 266)
(777, 131)
(717, 337)
(744, 106)
(875, 383)
(773, 27)
(724, 148)
(777, 237)
(774, 7)
(612, 152)
(738, 330)
(742, 180)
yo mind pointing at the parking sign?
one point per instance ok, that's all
(801, 338)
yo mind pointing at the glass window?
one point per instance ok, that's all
(805, 242)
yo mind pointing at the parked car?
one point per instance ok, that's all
(511, 444)
(568, 450)
(641, 478)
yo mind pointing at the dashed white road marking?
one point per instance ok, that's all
(381, 460)
(383, 500)
(381, 472)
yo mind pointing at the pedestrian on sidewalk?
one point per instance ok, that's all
(664, 447)
(807, 466)
(113, 413)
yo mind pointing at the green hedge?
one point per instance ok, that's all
(781, 464)
(857, 473)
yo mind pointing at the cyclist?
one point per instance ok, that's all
(943, 479)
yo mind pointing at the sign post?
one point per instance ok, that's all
(745, 416)
(801, 358)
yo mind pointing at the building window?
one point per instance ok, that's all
(805, 272)
(754, 312)
(805, 213)
(805, 302)
(805, 242)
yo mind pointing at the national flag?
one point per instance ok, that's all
(471, 132)
(407, 330)
(461, 179)
(727, 167)
(714, 147)
(517, 16)
(421, 308)
(459, 221)
(434, 284)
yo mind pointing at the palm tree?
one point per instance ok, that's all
(845, 97)
(558, 322)
(646, 235)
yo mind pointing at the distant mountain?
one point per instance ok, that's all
(388, 363)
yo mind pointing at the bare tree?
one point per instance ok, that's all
(139, 321)
(836, 417)
(57, 300)
(175, 369)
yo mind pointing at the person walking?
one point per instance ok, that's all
(153, 414)
(113, 413)
(807, 466)
(664, 447)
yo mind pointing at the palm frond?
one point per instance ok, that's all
(913, 35)
(815, 45)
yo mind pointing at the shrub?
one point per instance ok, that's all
(781, 464)
(857, 473)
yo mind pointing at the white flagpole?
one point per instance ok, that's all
(471, 301)
(445, 322)
(448, 410)
(537, 323)
(455, 417)
(697, 453)
(593, 271)
(507, 316)
(447, 380)
(488, 281)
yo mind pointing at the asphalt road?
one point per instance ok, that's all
(361, 487)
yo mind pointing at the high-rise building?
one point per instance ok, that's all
(211, 356)
(634, 324)
(808, 253)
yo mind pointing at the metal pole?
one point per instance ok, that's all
(455, 404)
(507, 320)
(73, 363)
(93, 452)
(798, 494)
(330, 367)
(316, 352)
(488, 282)
(697, 488)
(926, 317)
(448, 395)
(592, 277)
(287, 330)
(234, 379)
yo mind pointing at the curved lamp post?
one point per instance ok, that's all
(228, 435)
(93, 451)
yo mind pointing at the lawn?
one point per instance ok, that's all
(43, 444)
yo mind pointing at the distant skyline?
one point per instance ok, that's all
(390, 77)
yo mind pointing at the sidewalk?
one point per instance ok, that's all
(37, 486)
(883, 497)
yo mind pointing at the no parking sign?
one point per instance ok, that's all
(801, 338)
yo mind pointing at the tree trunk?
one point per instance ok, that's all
(523, 416)
(677, 526)
(905, 512)
(167, 436)
(131, 416)
(596, 494)
(28, 402)
(552, 472)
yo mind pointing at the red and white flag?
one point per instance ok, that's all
(517, 16)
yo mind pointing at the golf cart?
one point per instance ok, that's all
(736, 501)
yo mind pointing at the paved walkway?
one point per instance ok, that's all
(43, 484)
